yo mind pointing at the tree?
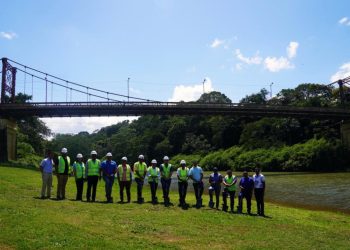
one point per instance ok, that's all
(257, 98)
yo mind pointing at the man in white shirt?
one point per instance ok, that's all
(259, 191)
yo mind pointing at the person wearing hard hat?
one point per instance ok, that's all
(79, 174)
(46, 167)
(140, 171)
(182, 176)
(62, 170)
(108, 169)
(124, 179)
(166, 171)
(196, 175)
(229, 182)
(93, 174)
(153, 174)
(215, 180)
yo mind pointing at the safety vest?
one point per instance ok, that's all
(139, 169)
(183, 173)
(230, 180)
(62, 164)
(128, 171)
(166, 170)
(153, 174)
(93, 167)
(79, 170)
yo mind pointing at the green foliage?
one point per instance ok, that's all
(175, 160)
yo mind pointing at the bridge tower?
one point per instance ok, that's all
(8, 127)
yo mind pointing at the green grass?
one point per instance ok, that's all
(30, 223)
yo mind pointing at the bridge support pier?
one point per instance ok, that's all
(345, 134)
(8, 140)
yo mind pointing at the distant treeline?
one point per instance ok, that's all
(221, 141)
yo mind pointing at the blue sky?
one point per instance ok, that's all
(168, 48)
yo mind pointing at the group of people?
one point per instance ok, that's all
(94, 170)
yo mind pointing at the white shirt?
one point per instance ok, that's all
(259, 181)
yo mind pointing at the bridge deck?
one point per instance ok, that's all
(77, 109)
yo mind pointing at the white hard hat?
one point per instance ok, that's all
(154, 161)
(64, 150)
(166, 158)
(124, 158)
(79, 156)
(183, 162)
(141, 157)
(93, 152)
(109, 154)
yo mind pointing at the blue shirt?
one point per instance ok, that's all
(195, 173)
(47, 165)
(247, 183)
(108, 167)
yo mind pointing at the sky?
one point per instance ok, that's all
(168, 48)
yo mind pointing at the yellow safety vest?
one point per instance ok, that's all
(183, 173)
(166, 170)
(93, 167)
(153, 174)
(128, 171)
(139, 169)
(230, 180)
(62, 164)
(79, 170)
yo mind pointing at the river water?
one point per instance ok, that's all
(319, 191)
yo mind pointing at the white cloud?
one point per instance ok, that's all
(8, 35)
(292, 49)
(192, 92)
(275, 64)
(343, 71)
(239, 66)
(248, 60)
(77, 124)
(217, 43)
(344, 21)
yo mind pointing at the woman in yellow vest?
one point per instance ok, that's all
(93, 174)
(62, 171)
(153, 174)
(124, 179)
(230, 189)
(79, 174)
(182, 176)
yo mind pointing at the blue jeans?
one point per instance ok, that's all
(109, 180)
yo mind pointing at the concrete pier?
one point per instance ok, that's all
(8, 140)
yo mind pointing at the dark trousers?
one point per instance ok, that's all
(217, 191)
(182, 185)
(109, 180)
(198, 190)
(232, 198)
(80, 186)
(153, 185)
(126, 185)
(166, 187)
(92, 183)
(139, 183)
(259, 197)
(244, 195)
(61, 185)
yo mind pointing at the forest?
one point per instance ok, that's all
(226, 142)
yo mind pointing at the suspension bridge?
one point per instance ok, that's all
(58, 97)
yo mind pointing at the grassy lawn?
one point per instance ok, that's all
(30, 223)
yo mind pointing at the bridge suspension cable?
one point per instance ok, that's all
(80, 85)
(63, 86)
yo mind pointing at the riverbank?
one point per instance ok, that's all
(30, 223)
